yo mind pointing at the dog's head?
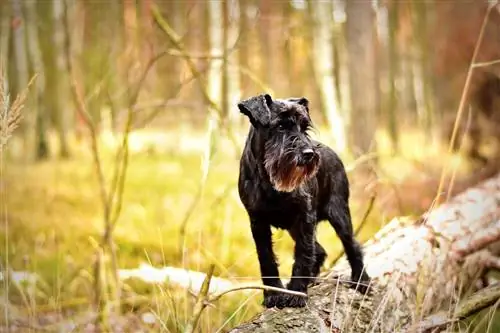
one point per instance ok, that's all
(289, 155)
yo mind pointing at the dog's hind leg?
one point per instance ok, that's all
(339, 216)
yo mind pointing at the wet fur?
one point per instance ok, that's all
(278, 189)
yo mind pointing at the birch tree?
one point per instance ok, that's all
(427, 274)
(321, 14)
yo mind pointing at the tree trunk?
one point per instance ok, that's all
(198, 43)
(322, 65)
(215, 74)
(4, 37)
(21, 71)
(225, 107)
(393, 73)
(425, 105)
(360, 32)
(61, 111)
(243, 50)
(419, 268)
(41, 145)
(265, 28)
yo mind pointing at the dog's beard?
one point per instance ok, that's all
(286, 174)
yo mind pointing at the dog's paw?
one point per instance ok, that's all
(362, 284)
(294, 301)
(282, 300)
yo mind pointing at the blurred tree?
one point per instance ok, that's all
(18, 73)
(360, 32)
(171, 66)
(289, 36)
(322, 55)
(99, 41)
(215, 73)
(225, 94)
(199, 44)
(272, 41)
(393, 25)
(117, 63)
(337, 30)
(421, 38)
(244, 47)
(406, 54)
(264, 26)
(41, 145)
(4, 37)
(60, 78)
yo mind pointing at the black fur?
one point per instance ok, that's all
(291, 182)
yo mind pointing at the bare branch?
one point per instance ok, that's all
(486, 63)
(119, 176)
(478, 301)
(175, 40)
(261, 287)
(201, 301)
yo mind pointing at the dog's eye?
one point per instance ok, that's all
(285, 124)
(304, 126)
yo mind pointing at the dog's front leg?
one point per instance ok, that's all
(304, 254)
(261, 232)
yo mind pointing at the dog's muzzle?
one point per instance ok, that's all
(308, 157)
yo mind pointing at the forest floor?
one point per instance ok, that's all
(54, 220)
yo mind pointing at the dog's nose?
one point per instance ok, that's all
(308, 154)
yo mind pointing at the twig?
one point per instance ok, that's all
(367, 213)
(81, 109)
(261, 287)
(462, 101)
(486, 63)
(476, 302)
(213, 108)
(119, 176)
(175, 40)
(207, 157)
(164, 103)
(201, 301)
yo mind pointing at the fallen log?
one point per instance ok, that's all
(421, 268)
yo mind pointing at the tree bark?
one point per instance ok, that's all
(419, 268)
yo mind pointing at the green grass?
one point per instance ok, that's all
(55, 216)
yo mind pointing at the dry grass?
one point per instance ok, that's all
(55, 219)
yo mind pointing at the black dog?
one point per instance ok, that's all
(291, 182)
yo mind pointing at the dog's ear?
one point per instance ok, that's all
(257, 109)
(300, 100)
